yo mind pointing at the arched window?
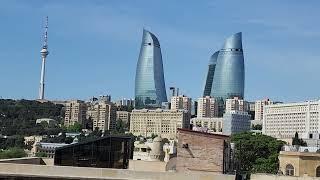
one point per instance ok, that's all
(318, 171)
(289, 170)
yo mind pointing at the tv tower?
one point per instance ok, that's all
(44, 53)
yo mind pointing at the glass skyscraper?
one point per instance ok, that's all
(229, 74)
(150, 89)
(210, 74)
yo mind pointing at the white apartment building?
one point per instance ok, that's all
(258, 107)
(103, 116)
(124, 116)
(181, 102)
(75, 112)
(283, 120)
(160, 122)
(207, 107)
(235, 104)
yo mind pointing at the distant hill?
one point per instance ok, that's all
(18, 117)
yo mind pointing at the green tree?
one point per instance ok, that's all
(18, 117)
(297, 141)
(41, 154)
(14, 152)
(256, 153)
(153, 136)
(257, 127)
(29, 145)
(68, 140)
(120, 126)
(76, 127)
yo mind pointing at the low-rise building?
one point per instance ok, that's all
(50, 122)
(154, 150)
(32, 139)
(297, 161)
(163, 123)
(214, 125)
(47, 148)
(112, 151)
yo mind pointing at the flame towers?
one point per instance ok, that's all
(150, 89)
(210, 74)
(228, 79)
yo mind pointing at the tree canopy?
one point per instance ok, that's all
(256, 153)
(15, 141)
(298, 141)
(12, 153)
(18, 117)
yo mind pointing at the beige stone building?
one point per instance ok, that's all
(161, 122)
(235, 104)
(124, 116)
(258, 108)
(75, 112)
(299, 163)
(202, 152)
(104, 116)
(207, 107)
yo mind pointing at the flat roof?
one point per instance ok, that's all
(203, 133)
(98, 139)
(294, 153)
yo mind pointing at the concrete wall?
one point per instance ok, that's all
(64, 172)
(151, 166)
(24, 160)
(48, 161)
(204, 152)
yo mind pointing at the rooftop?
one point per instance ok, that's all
(203, 133)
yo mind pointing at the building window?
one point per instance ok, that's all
(289, 170)
(318, 171)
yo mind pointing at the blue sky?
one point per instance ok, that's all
(94, 45)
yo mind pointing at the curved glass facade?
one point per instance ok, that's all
(210, 74)
(150, 89)
(229, 73)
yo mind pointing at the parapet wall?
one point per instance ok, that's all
(68, 172)
(277, 177)
(24, 160)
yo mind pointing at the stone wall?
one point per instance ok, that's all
(199, 151)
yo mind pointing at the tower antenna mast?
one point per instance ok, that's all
(44, 53)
